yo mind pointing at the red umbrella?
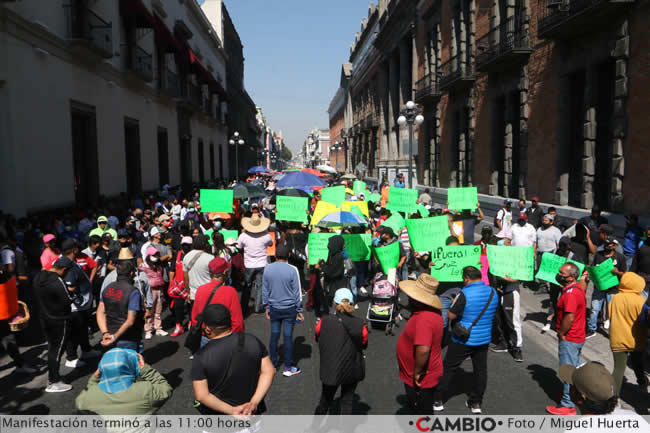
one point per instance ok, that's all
(314, 172)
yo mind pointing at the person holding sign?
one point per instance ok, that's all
(387, 237)
(599, 297)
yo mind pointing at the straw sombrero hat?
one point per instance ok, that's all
(255, 224)
(423, 290)
(125, 254)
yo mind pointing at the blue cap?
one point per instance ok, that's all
(343, 294)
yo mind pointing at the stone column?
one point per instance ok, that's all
(384, 111)
(507, 151)
(462, 42)
(523, 131)
(395, 101)
(405, 94)
(589, 141)
(621, 54)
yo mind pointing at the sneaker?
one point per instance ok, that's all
(517, 355)
(161, 332)
(438, 406)
(546, 328)
(356, 306)
(560, 410)
(291, 371)
(475, 408)
(363, 291)
(75, 363)
(606, 324)
(147, 336)
(26, 369)
(590, 334)
(58, 387)
(499, 348)
(178, 331)
(90, 354)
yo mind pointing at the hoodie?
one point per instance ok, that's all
(53, 296)
(627, 333)
(107, 229)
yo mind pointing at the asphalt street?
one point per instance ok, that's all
(513, 388)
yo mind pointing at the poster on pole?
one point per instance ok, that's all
(448, 261)
(402, 200)
(426, 234)
(516, 262)
(292, 208)
(602, 275)
(317, 246)
(462, 198)
(216, 200)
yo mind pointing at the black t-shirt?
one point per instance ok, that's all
(580, 251)
(212, 363)
(619, 263)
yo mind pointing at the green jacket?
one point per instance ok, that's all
(144, 397)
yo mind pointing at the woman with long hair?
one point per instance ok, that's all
(219, 248)
(153, 268)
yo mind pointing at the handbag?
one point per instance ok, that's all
(193, 339)
(462, 333)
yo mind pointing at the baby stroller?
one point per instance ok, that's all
(382, 309)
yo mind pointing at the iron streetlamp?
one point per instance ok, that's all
(335, 149)
(410, 115)
(236, 141)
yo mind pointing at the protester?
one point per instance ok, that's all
(103, 228)
(196, 271)
(632, 237)
(124, 385)
(253, 241)
(153, 268)
(334, 268)
(177, 290)
(503, 219)
(50, 253)
(535, 213)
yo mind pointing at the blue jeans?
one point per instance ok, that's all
(628, 261)
(204, 341)
(282, 321)
(250, 275)
(597, 301)
(569, 353)
(404, 273)
(446, 303)
(126, 344)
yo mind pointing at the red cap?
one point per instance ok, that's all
(523, 216)
(535, 199)
(218, 265)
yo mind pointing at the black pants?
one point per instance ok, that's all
(456, 354)
(507, 322)
(8, 343)
(57, 333)
(78, 335)
(327, 397)
(179, 310)
(420, 400)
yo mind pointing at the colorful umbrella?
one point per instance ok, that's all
(301, 180)
(258, 169)
(341, 219)
(326, 169)
(349, 176)
(248, 190)
(292, 192)
(312, 171)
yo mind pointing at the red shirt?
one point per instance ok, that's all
(573, 301)
(424, 328)
(86, 262)
(225, 295)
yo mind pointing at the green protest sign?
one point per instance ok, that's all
(359, 187)
(395, 222)
(291, 208)
(317, 246)
(208, 233)
(227, 234)
(425, 234)
(602, 275)
(216, 200)
(423, 211)
(375, 198)
(551, 264)
(388, 256)
(358, 246)
(402, 199)
(333, 194)
(516, 262)
(462, 198)
(448, 261)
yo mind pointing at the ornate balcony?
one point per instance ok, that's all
(427, 90)
(568, 18)
(508, 43)
(456, 75)
(86, 29)
(138, 61)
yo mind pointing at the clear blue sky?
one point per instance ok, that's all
(294, 50)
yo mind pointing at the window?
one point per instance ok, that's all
(163, 157)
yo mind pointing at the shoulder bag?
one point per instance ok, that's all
(193, 339)
(462, 333)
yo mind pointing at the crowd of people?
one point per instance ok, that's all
(116, 271)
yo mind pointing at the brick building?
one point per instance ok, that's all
(520, 98)
(337, 110)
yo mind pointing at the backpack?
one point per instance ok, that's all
(177, 285)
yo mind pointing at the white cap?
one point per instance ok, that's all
(154, 231)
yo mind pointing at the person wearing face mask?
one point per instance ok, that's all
(153, 268)
(237, 268)
(570, 326)
(563, 250)
(177, 290)
(535, 213)
(548, 237)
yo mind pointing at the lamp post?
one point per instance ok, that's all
(236, 141)
(335, 149)
(410, 115)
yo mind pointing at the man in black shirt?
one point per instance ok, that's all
(233, 372)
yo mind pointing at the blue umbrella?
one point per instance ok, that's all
(258, 169)
(300, 180)
(341, 219)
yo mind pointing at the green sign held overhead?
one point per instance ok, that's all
(227, 234)
(292, 208)
(462, 198)
(395, 222)
(358, 246)
(425, 234)
(317, 246)
(602, 275)
(388, 256)
(402, 200)
(374, 197)
(359, 187)
(333, 194)
(516, 262)
(422, 210)
(551, 264)
(448, 261)
(216, 200)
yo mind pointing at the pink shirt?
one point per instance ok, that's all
(254, 245)
(48, 257)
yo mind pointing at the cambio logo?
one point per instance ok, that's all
(460, 424)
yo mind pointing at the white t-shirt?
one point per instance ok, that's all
(7, 256)
(199, 274)
(506, 219)
(524, 236)
(547, 240)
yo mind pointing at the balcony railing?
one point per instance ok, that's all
(138, 61)
(455, 73)
(506, 42)
(427, 89)
(83, 25)
(172, 86)
(572, 17)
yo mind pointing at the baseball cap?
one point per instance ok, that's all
(102, 219)
(386, 231)
(107, 236)
(611, 240)
(163, 218)
(154, 231)
(606, 228)
(342, 294)
(186, 240)
(591, 379)
(535, 199)
(122, 234)
(255, 206)
(62, 263)
(218, 265)
(523, 216)
(68, 244)
(216, 315)
(549, 216)
(48, 238)
(507, 201)
(151, 250)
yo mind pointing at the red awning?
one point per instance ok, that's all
(165, 37)
(138, 10)
(200, 69)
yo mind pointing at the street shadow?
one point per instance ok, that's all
(79, 372)
(539, 317)
(547, 379)
(632, 395)
(301, 350)
(160, 351)
(13, 402)
(403, 402)
(37, 409)
(174, 377)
